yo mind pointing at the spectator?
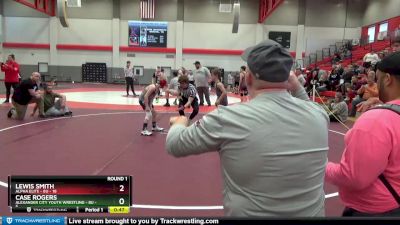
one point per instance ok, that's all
(366, 91)
(372, 151)
(51, 107)
(27, 92)
(396, 44)
(191, 77)
(336, 58)
(201, 78)
(370, 59)
(236, 78)
(11, 75)
(300, 76)
(268, 168)
(230, 82)
(323, 83)
(347, 77)
(339, 110)
(334, 80)
(312, 79)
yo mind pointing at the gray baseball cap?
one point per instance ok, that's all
(269, 61)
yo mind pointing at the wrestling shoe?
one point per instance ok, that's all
(10, 112)
(146, 133)
(157, 129)
(167, 104)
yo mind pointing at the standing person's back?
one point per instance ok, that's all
(201, 76)
(269, 167)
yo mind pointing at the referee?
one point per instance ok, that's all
(128, 71)
(188, 96)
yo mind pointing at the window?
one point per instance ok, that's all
(383, 27)
(371, 34)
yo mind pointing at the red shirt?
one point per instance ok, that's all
(11, 70)
(372, 147)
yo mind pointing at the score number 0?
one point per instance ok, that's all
(121, 189)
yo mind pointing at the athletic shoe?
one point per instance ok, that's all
(135, 95)
(68, 113)
(175, 103)
(157, 129)
(6, 101)
(209, 104)
(42, 116)
(146, 133)
(167, 104)
(201, 104)
(10, 112)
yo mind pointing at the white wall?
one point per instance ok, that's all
(317, 38)
(229, 63)
(86, 32)
(218, 36)
(148, 60)
(380, 10)
(26, 29)
(77, 58)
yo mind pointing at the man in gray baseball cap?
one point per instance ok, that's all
(268, 167)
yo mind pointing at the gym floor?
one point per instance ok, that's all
(103, 138)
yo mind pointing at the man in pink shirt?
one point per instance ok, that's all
(372, 148)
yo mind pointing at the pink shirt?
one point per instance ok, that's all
(372, 146)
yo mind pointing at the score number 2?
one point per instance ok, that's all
(121, 189)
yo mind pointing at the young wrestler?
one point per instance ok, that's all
(242, 84)
(222, 98)
(146, 101)
(173, 84)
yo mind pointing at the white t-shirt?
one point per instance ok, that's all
(230, 79)
(373, 58)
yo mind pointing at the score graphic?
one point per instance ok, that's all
(89, 194)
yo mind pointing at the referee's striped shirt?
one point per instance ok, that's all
(189, 92)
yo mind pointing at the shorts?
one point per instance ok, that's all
(144, 106)
(163, 83)
(244, 92)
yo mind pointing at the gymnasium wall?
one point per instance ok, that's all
(380, 10)
(203, 28)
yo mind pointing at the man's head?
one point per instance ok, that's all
(388, 75)
(35, 77)
(48, 88)
(338, 97)
(197, 64)
(396, 44)
(269, 65)
(11, 57)
(297, 71)
(243, 68)
(128, 63)
(216, 74)
(371, 77)
(183, 81)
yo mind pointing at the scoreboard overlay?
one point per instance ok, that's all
(88, 194)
